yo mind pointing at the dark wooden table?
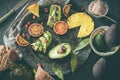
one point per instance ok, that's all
(84, 72)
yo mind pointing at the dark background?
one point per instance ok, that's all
(112, 71)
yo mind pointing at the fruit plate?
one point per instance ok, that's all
(34, 57)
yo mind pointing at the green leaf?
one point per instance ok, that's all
(74, 62)
(82, 44)
(58, 71)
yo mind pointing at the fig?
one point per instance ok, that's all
(41, 74)
(99, 68)
(112, 36)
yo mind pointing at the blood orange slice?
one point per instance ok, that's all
(60, 27)
(66, 9)
(21, 41)
(35, 29)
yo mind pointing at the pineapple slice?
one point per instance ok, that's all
(34, 9)
(83, 20)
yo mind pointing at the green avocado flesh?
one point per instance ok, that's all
(49, 38)
(60, 51)
(43, 42)
(54, 15)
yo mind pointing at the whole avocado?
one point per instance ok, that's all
(112, 37)
(98, 68)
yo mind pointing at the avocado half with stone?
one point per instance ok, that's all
(60, 51)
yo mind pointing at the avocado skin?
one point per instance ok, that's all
(99, 68)
(112, 37)
(62, 60)
(99, 42)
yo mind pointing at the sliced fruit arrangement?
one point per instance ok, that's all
(54, 15)
(21, 41)
(35, 29)
(43, 42)
(60, 51)
(81, 19)
(66, 9)
(34, 9)
(60, 27)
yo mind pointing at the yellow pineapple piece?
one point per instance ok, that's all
(34, 9)
(74, 20)
(81, 19)
(85, 29)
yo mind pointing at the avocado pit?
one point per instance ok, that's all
(61, 50)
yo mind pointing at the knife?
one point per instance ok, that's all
(15, 8)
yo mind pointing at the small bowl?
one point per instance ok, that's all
(112, 50)
(91, 2)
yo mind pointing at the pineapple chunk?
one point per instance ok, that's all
(34, 9)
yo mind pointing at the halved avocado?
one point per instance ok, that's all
(60, 51)
(43, 43)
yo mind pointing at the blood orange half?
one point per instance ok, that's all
(35, 29)
(60, 27)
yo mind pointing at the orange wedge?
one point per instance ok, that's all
(21, 41)
(66, 9)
